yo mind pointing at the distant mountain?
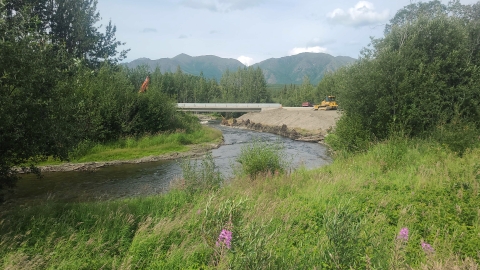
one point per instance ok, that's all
(285, 70)
(292, 69)
(211, 66)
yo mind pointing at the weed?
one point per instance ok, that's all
(201, 176)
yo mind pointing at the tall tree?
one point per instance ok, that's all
(422, 75)
(33, 118)
(71, 24)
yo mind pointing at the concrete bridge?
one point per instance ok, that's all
(227, 107)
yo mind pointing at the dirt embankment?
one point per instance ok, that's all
(303, 124)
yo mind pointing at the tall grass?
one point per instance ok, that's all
(262, 157)
(345, 215)
(134, 148)
(199, 176)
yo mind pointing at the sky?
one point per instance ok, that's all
(248, 30)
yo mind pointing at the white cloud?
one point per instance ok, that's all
(247, 61)
(362, 14)
(316, 49)
(221, 5)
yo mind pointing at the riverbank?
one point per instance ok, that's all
(147, 149)
(418, 208)
(192, 151)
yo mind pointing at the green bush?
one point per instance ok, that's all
(458, 136)
(201, 176)
(262, 157)
(349, 135)
(422, 73)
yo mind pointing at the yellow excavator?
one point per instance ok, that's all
(328, 104)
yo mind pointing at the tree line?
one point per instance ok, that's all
(245, 85)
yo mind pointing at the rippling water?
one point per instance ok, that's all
(129, 180)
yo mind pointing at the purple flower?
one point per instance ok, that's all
(427, 248)
(403, 234)
(225, 237)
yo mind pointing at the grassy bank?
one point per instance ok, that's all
(348, 214)
(134, 148)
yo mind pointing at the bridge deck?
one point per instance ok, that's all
(227, 107)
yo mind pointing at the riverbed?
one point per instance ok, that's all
(142, 179)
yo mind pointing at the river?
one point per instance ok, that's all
(128, 180)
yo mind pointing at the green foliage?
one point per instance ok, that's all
(61, 90)
(262, 157)
(245, 85)
(294, 95)
(341, 216)
(421, 75)
(70, 25)
(458, 136)
(349, 136)
(200, 177)
(33, 120)
(178, 86)
(134, 148)
(342, 227)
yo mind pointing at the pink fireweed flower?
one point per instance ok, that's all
(225, 237)
(403, 234)
(427, 248)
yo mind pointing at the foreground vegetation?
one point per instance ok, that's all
(348, 214)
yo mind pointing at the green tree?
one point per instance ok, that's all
(71, 25)
(422, 74)
(33, 118)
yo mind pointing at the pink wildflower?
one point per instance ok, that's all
(427, 248)
(403, 234)
(225, 237)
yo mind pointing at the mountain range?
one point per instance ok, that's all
(284, 70)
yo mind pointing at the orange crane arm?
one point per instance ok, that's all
(144, 86)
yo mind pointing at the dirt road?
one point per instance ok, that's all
(296, 118)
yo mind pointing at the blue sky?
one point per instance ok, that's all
(248, 30)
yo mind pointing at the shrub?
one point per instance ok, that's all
(349, 135)
(199, 177)
(262, 157)
(458, 136)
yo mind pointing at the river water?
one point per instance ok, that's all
(128, 180)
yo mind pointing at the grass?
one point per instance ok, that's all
(133, 148)
(345, 215)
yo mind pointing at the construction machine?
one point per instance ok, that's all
(328, 104)
(144, 86)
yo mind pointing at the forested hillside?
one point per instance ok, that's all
(285, 70)
(293, 69)
(210, 66)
